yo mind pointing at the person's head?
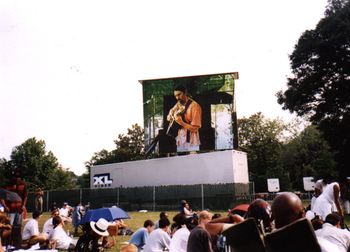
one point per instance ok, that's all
(260, 210)
(328, 178)
(163, 215)
(191, 222)
(164, 223)
(286, 208)
(215, 216)
(179, 219)
(149, 225)
(204, 217)
(317, 223)
(333, 219)
(36, 214)
(100, 227)
(65, 204)
(57, 220)
(128, 248)
(55, 212)
(180, 94)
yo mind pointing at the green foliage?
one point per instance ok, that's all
(262, 138)
(306, 155)
(37, 166)
(129, 147)
(320, 86)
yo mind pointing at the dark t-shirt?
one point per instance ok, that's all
(199, 240)
(87, 243)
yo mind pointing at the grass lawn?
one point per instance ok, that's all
(136, 221)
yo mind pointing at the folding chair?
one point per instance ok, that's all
(244, 237)
(297, 236)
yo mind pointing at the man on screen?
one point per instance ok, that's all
(188, 115)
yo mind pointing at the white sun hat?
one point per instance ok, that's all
(100, 227)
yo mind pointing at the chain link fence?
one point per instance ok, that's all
(157, 198)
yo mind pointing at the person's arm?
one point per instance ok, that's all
(336, 191)
(187, 126)
(218, 225)
(230, 218)
(196, 121)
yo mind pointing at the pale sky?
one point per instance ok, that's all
(69, 70)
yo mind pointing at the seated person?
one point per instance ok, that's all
(287, 208)
(260, 210)
(331, 231)
(159, 239)
(140, 236)
(89, 241)
(31, 234)
(186, 210)
(58, 236)
(48, 225)
(161, 216)
(5, 229)
(64, 212)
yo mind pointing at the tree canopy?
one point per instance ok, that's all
(37, 166)
(319, 87)
(261, 138)
(129, 147)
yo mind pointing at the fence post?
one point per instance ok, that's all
(202, 195)
(47, 200)
(154, 198)
(80, 195)
(118, 196)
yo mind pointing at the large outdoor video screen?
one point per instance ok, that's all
(187, 114)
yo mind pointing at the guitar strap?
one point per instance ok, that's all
(188, 103)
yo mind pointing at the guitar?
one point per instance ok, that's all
(178, 110)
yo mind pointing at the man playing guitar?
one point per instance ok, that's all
(188, 115)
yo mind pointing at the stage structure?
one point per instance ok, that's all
(220, 167)
(214, 112)
(206, 105)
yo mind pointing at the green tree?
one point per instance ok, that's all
(63, 179)
(262, 139)
(308, 154)
(38, 166)
(319, 87)
(129, 147)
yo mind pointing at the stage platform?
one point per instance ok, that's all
(219, 167)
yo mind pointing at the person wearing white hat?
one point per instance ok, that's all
(89, 240)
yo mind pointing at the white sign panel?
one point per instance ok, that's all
(309, 184)
(273, 185)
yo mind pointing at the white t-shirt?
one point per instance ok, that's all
(61, 237)
(179, 240)
(157, 241)
(63, 212)
(337, 236)
(324, 204)
(30, 229)
(48, 226)
(327, 246)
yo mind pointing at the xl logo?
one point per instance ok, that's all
(102, 180)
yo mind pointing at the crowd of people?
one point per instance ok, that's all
(202, 231)
(192, 231)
